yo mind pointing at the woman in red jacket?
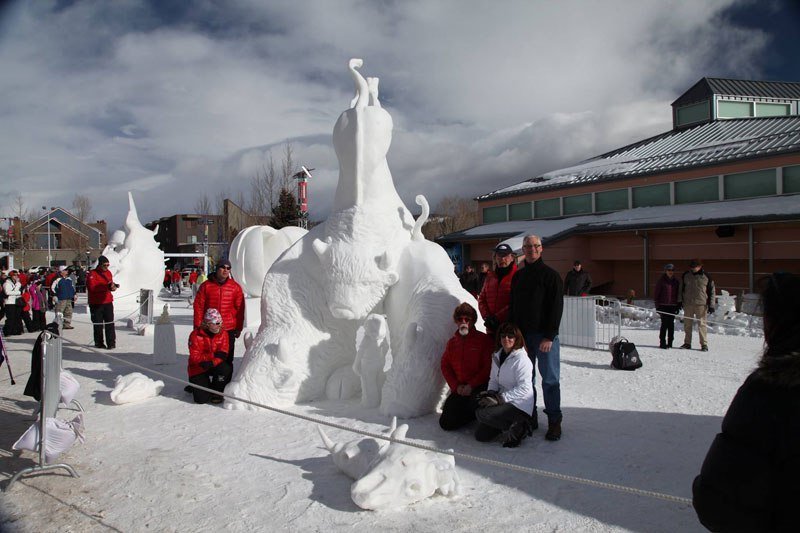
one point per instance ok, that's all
(208, 353)
(495, 296)
(100, 287)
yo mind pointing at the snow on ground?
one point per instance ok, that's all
(167, 464)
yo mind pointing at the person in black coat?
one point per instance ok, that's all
(749, 479)
(577, 282)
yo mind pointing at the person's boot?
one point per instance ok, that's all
(515, 434)
(553, 431)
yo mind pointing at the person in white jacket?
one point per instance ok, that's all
(506, 406)
(12, 289)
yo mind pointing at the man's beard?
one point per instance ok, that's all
(463, 329)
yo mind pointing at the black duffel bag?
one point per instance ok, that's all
(624, 355)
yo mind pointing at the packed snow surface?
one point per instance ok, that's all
(168, 464)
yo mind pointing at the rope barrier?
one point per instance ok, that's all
(455, 454)
(682, 317)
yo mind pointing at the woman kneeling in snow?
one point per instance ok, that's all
(208, 354)
(505, 407)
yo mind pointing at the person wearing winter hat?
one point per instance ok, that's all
(495, 294)
(100, 287)
(666, 300)
(221, 292)
(208, 358)
(64, 294)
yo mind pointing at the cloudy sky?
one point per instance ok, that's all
(172, 98)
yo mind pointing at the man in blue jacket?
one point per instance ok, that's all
(64, 292)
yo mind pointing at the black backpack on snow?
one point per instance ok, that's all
(624, 355)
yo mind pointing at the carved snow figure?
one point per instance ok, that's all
(253, 251)
(403, 475)
(361, 261)
(138, 260)
(355, 457)
(370, 360)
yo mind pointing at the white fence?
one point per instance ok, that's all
(590, 321)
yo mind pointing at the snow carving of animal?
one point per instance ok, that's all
(371, 358)
(403, 475)
(369, 257)
(355, 457)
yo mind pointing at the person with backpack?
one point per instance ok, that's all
(64, 295)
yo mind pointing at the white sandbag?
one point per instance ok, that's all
(68, 387)
(135, 387)
(60, 434)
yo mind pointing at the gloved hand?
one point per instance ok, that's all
(491, 322)
(490, 398)
(206, 365)
(221, 355)
(711, 310)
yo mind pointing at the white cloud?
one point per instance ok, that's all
(97, 96)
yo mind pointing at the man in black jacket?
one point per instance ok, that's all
(577, 282)
(537, 300)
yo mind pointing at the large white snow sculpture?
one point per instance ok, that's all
(369, 257)
(134, 259)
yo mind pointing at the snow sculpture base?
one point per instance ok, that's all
(369, 257)
(164, 347)
(252, 312)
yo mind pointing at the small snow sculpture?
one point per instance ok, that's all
(135, 387)
(164, 347)
(370, 360)
(355, 457)
(134, 259)
(369, 257)
(404, 475)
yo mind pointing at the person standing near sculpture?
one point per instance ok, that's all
(666, 301)
(208, 358)
(495, 295)
(465, 365)
(696, 295)
(504, 407)
(38, 304)
(748, 480)
(64, 295)
(537, 301)
(469, 280)
(100, 287)
(577, 282)
(12, 290)
(221, 292)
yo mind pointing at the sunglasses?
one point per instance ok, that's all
(463, 319)
(224, 268)
(215, 323)
(104, 264)
(507, 336)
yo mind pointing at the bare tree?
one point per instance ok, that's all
(262, 190)
(203, 205)
(452, 213)
(288, 168)
(82, 208)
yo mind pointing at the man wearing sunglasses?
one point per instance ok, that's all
(221, 292)
(100, 287)
(537, 301)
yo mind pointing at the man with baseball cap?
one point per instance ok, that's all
(64, 295)
(577, 282)
(696, 295)
(221, 292)
(495, 295)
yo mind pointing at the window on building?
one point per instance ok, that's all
(521, 211)
(703, 190)
(764, 109)
(692, 113)
(733, 109)
(547, 208)
(578, 205)
(494, 214)
(791, 179)
(651, 195)
(611, 200)
(750, 184)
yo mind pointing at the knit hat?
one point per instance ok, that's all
(102, 259)
(212, 316)
(223, 263)
(669, 266)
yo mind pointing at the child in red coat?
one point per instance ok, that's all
(208, 353)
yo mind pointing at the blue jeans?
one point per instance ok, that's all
(550, 369)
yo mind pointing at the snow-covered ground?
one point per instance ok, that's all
(167, 464)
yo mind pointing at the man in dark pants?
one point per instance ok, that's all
(537, 301)
(100, 287)
(221, 292)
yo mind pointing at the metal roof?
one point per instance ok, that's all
(710, 143)
(706, 87)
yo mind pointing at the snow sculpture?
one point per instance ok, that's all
(253, 251)
(135, 387)
(369, 257)
(370, 360)
(355, 457)
(403, 475)
(134, 259)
